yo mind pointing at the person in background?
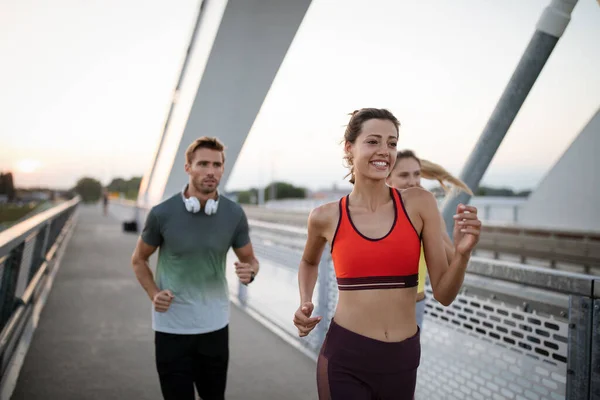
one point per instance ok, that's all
(407, 173)
(105, 202)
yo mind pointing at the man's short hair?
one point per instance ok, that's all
(204, 142)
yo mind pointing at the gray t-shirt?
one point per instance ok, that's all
(191, 262)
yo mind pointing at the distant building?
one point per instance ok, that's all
(28, 196)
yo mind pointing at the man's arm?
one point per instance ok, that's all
(160, 298)
(150, 239)
(139, 262)
(248, 266)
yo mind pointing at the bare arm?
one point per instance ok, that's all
(446, 277)
(248, 264)
(246, 255)
(308, 271)
(142, 270)
(448, 245)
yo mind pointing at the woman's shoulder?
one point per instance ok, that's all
(419, 199)
(416, 194)
(325, 214)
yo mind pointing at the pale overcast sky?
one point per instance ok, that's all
(85, 86)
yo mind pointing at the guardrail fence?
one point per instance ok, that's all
(28, 253)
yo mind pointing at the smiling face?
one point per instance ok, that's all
(373, 153)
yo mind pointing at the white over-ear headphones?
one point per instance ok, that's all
(192, 204)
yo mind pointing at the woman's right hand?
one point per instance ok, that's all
(303, 320)
(467, 228)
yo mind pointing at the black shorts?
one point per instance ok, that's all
(355, 367)
(185, 361)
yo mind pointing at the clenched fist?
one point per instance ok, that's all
(162, 300)
(244, 272)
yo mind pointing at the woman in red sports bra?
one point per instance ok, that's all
(372, 348)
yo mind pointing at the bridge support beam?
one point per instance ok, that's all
(550, 27)
(236, 50)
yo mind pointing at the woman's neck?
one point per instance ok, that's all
(370, 194)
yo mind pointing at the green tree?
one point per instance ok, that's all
(481, 191)
(130, 188)
(133, 188)
(284, 190)
(89, 189)
(7, 186)
(117, 185)
(248, 196)
(275, 190)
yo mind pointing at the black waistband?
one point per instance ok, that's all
(378, 282)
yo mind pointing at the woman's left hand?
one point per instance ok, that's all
(467, 228)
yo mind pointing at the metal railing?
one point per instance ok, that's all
(542, 318)
(28, 253)
(579, 248)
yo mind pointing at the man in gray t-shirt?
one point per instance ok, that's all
(194, 230)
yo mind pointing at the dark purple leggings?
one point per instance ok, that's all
(355, 367)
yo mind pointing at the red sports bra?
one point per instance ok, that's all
(389, 262)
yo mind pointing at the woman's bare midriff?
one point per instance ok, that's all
(383, 314)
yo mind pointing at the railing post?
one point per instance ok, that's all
(595, 356)
(579, 348)
(41, 248)
(26, 265)
(10, 274)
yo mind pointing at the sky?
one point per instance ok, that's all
(85, 87)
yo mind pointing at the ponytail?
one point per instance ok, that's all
(436, 172)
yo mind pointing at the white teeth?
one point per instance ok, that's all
(380, 163)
